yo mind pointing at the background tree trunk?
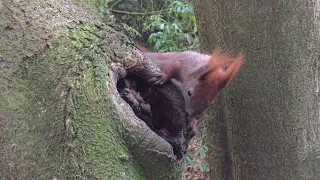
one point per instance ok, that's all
(266, 124)
(60, 113)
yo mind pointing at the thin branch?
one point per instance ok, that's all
(137, 13)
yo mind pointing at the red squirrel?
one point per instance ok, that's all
(199, 77)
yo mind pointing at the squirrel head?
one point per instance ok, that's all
(205, 83)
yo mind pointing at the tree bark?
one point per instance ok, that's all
(266, 124)
(61, 115)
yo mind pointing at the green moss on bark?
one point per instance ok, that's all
(64, 124)
(56, 117)
(60, 115)
(91, 111)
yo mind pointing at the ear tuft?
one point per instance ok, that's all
(219, 60)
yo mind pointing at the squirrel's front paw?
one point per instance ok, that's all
(159, 79)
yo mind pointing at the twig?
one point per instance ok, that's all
(137, 13)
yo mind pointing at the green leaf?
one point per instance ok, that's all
(205, 147)
(179, 9)
(166, 30)
(202, 155)
(201, 168)
(205, 167)
(188, 39)
(184, 15)
(151, 38)
(190, 161)
(157, 45)
(161, 26)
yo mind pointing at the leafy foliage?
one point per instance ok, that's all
(133, 31)
(173, 31)
(199, 154)
(163, 25)
(102, 7)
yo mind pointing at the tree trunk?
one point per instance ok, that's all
(61, 115)
(266, 124)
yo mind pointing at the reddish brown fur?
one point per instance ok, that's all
(200, 75)
(213, 80)
(220, 60)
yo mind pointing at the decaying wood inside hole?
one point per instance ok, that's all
(160, 107)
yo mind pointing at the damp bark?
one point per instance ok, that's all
(62, 75)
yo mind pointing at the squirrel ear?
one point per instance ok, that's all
(223, 77)
(202, 69)
(205, 74)
(199, 72)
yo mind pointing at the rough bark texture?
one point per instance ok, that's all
(266, 124)
(60, 113)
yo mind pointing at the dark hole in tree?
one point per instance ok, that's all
(162, 110)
